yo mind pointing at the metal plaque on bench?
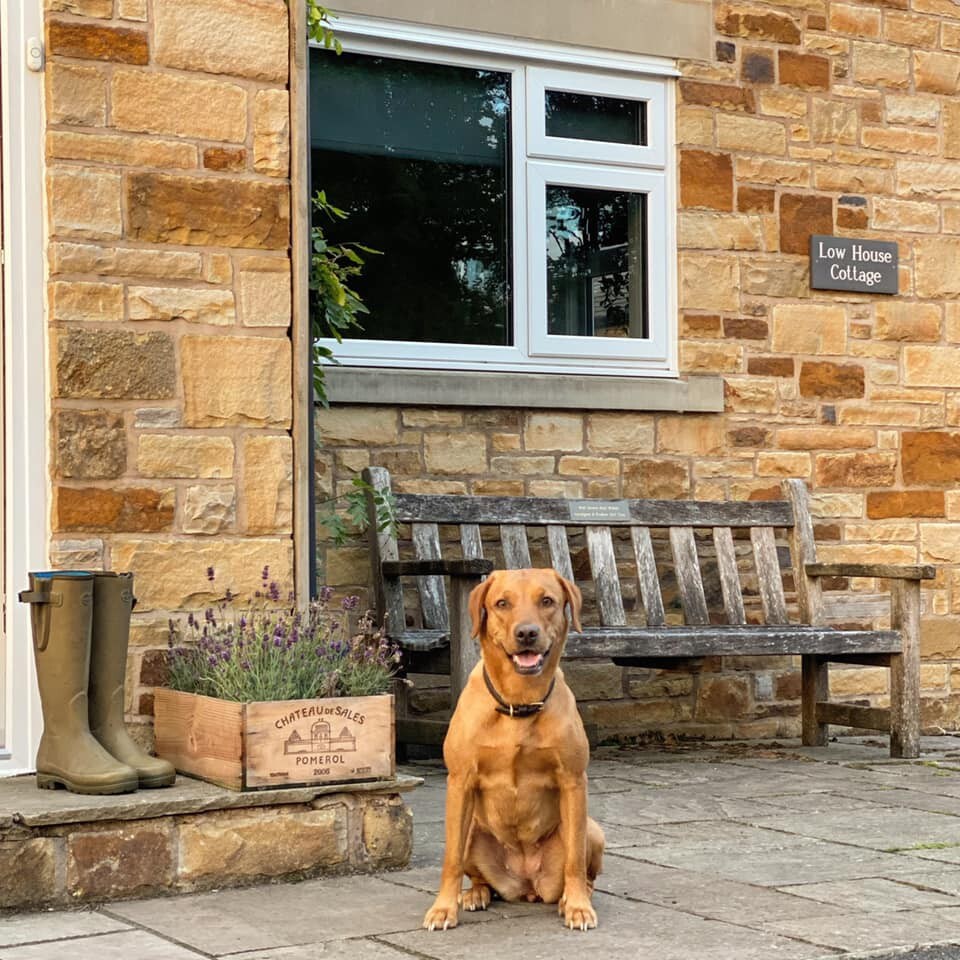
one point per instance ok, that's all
(599, 511)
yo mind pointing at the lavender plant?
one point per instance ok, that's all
(274, 650)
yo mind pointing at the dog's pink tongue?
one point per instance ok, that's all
(530, 659)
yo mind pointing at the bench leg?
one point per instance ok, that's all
(464, 653)
(905, 671)
(815, 685)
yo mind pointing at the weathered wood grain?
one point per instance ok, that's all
(560, 551)
(470, 541)
(433, 594)
(647, 578)
(729, 575)
(606, 579)
(769, 579)
(516, 550)
(388, 591)
(689, 582)
(905, 670)
(850, 715)
(883, 571)
(440, 568)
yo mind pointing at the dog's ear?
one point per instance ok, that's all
(574, 598)
(478, 613)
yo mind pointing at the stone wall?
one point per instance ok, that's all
(168, 208)
(813, 117)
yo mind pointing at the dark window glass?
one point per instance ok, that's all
(581, 116)
(418, 154)
(596, 256)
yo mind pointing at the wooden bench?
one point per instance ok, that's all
(669, 581)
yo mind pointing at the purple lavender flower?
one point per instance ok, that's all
(325, 594)
(273, 593)
(211, 575)
(212, 659)
(265, 574)
(350, 603)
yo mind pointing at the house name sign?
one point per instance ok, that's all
(862, 266)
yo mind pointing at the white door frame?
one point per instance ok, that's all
(24, 376)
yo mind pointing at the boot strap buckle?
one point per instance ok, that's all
(39, 596)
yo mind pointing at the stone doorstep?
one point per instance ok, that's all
(59, 849)
(21, 803)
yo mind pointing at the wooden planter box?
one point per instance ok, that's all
(286, 743)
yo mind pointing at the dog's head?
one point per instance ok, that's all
(519, 617)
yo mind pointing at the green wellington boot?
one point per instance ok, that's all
(112, 604)
(69, 755)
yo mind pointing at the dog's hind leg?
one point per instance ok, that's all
(486, 866)
(596, 843)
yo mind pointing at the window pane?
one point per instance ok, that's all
(581, 116)
(418, 154)
(596, 251)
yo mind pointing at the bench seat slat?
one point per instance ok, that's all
(647, 578)
(721, 640)
(532, 511)
(603, 564)
(433, 594)
(516, 550)
(689, 582)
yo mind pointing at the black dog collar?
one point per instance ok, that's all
(516, 709)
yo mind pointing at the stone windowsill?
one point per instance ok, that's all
(21, 803)
(575, 391)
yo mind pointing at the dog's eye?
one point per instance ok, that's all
(547, 602)
(502, 604)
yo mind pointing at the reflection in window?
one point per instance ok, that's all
(596, 284)
(418, 154)
(581, 116)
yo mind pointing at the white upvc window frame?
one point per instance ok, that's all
(537, 67)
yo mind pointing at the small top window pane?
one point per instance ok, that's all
(583, 116)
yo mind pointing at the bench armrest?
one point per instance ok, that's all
(436, 568)
(884, 571)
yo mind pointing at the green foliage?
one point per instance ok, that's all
(319, 28)
(276, 652)
(353, 517)
(335, 308)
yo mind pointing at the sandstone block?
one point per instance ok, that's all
(84, 203)
(931, 366)
(694, 126)
(706, 179)
(387, 831)
(129, 151)
(847, 178)
(629, 433)
(940, 638)
(770, 171)
(594, 681)
(854, 21)
(236, 381)
(30, 871)
(80, 302)
(930, 457)
(836, 505)
(114, 261)
(266, 484)
(734, 21)
(809, 328)
(91, 445)
(455, 453)
(709, 282)
(83, 8)
(910, 29)
(156, 418)
(193, 304)
(775, 278)
(455, 487)
(225, 158)
(833, 122)
(906, 215)
(710, 357)
(937, 267)
(657, 478)
(939, 543)
(117, 509)
(265, 297)
(209, 211)
(115, 364)
(504, 442)
(936, 72)
(631, 717)
(804, 70)
(348, 566)
(557, 489)
(831, 381)
(755, 200)
(751, 134)
(182, 455)
(800, 216)
(271, 132)
(711, 231)
(76, 94)
(928, 179)
(771, 366)
(218, 268)
(696, 435)
(425, 417)
(357, 425)
(251, 38)
(750, 395)
(93, 41)
(132, 858)
(83, 554)
(553, 431)
(881, 65)
(180, 106)
(171, 574)
(779, 464)
(856, 470)
(913, 110)
(951, 129)
(209, 509)
(722, 96)
(589, 466)
(903, 321)
(523, 466)
(741, 437)
(722, 698)
(847, 682)
(132, 9)
(882, 505)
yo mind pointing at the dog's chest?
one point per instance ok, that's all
(517, 786)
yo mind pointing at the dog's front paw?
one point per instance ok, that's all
(477, 897)
(577, 914)
(441, 916)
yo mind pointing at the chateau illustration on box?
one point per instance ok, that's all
(320, 740)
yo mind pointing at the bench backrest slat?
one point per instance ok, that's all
(769, 579)
(603, 564)
(803, 550)
(689, 582)
(433, 594)
(516, 550)
(560, 551)
(532, 512)
(647, 578)
(729, 576)
(471, 542)
(388, 592)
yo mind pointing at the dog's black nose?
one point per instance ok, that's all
(526, 634)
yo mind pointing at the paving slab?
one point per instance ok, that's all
(331, 950)
(871, 895)
(109, 946)
(44, 927)
(625, 929)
